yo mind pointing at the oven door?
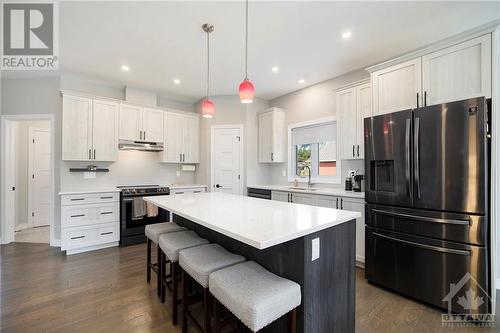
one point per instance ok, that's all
(135, 226)
(424, 268)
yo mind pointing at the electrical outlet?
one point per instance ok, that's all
(315, 249)
(89, 175)
(178, 173)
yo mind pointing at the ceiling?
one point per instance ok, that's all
(161, 41)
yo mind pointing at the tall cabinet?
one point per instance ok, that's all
(182, 138)
(272, 136)
(353, 105)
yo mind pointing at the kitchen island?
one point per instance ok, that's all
(313, 246)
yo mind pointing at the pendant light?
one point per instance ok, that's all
(208, 106)
(246, 87)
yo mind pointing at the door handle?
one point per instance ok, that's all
(291, 197)
(353, 151)
(288, 199)
(90, 154)
(218, 186)
(358, 150)
(418, 97)
(422, 218)
(180, 157)
(341, 203)
(106, 233)
(144, 134)
(337, 204)
(94, 154)
(272, 156)
(407, 155)
(106, 213)
(78, 215)
(416, 148)
(425, 98)
(78, 237)
(183, 157)
(424, 246)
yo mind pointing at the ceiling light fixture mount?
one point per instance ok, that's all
(208, 106)
(275, 69)
(125, 68)
(346, 35)
(246, 88)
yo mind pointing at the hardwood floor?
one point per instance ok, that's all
(42, 290)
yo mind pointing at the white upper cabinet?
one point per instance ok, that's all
(105, 130)
(272, 136)
(152, 125)
(353, 105)
(397, 88)
(90, 129)
(130, 122)
(181, 139)
(77, 128)
(458, 72)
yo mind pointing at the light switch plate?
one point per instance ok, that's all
(315, 249)
(88, 175)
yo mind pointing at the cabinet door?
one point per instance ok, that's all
(152, 125)
(105, 131)
(346, 111)
(278, 137)
(191, 139)
(265, 137)
(364, 110)
(304, 199)
(130, 127)
(357, 206)
(76, 128)
(327, 201)
(458, 72)
(279, 196)
(397, 88)
(172, 139)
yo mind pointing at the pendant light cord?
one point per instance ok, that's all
(246, 42)
(208, 64)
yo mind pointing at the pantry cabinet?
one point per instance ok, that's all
(353, 105)
(181, 139)
(140, 124)
(272, 136)
(90, 129)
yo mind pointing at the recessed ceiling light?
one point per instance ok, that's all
(125, 68)
(177, 81)
(302, 81)
(275, 69)
(346, 35)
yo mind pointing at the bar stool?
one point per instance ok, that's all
(171, 244)
(153, 232)
(198, 263)
(254, 295)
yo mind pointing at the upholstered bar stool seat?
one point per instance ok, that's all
(199, 262)
(153, 232)
(254, 295)
(171, 245)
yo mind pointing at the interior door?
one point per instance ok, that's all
(105, 131)
(226, 160)
(191, 139)
(77, 128)
(450, 157)
(130, 122)
(39, 194)
(346, 109)
(152, 125)
(172, 151)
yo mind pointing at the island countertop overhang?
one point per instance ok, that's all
(256, 222)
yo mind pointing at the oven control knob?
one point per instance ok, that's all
(126, 192)
(133, 191)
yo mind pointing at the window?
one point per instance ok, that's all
(313, 149)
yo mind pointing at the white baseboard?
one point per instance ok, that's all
(497, 284)
(91, 248)
(360, 262)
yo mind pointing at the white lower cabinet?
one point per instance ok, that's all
(188, 189)
(335, 202)
(89, 221)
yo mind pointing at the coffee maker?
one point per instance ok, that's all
(358, 184)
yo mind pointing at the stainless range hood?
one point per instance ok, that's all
(140, 145)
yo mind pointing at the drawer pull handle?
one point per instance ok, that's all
(106, 213)
(422, 218)
(197, 192)
(106, 233)
(78, 237)
(79, 215)
(106, 197)
(77, 199)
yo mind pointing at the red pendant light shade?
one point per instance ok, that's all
(246, 91)
(208, 108)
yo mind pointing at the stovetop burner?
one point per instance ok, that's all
(143, 189)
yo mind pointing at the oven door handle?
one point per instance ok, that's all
(422, 218)
(424, 246)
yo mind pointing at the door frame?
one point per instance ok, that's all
(213, 128)
(31, 131)
(7, 175)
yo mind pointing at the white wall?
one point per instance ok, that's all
(314, 102)
(22, 169)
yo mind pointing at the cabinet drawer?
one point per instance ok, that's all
(80, 199)
(80, 215)
(188, 190)
(108, 233)
(75, 238)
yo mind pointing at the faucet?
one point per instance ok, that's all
(309, 183)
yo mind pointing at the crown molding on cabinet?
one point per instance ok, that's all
(353, 84)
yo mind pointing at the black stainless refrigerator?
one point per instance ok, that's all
(427, 211)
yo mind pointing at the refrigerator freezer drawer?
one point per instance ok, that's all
(424, 268)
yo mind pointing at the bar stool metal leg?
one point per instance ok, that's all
(148, 269)
(293, 321)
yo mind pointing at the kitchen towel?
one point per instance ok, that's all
(151, 209)
(138, 208)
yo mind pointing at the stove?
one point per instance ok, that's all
(132, 226)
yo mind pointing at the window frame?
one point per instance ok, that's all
(292, 155)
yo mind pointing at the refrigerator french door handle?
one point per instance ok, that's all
(416, 148)
(422, 218)
(407, 155)
(424, 246)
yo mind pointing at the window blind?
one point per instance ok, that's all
(324, 132)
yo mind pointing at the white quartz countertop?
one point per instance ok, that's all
(90, 191)
(257, 222)
(317, 190)
(176, 187)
